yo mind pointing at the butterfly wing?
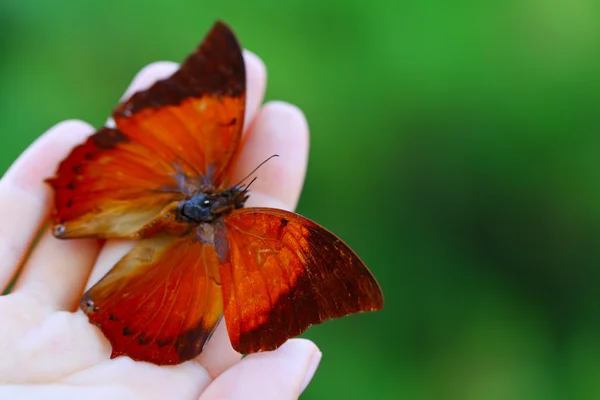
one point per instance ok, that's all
(161, 302)
(284, 273)
(169, 140)
(195, 117)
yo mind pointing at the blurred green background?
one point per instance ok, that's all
(455, 146)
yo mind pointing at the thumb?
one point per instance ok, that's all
(280, 374)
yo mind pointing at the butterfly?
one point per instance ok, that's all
(161, 177)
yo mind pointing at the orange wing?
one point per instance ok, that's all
(161, 302)
(284, 273)
(176, 136)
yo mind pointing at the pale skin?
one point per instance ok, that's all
(50, 350)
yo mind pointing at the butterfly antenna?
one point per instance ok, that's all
(254, 170)
(248, 185)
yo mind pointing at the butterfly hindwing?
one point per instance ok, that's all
(161, 302)
(169, 140)
(284, 273)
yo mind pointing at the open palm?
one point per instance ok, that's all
(49, 349)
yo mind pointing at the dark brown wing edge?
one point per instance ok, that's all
(216, 68)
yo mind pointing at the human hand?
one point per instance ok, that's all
(49, 349)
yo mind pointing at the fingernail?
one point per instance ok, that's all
(312, 368)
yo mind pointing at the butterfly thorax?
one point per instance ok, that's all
(207, 206)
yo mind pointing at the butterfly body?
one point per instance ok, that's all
(160, 176)
(206, 207)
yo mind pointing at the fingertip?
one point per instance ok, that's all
(287, 125)
(218, 355)
(293, 118)
(149, 75)
(280, 374)
(66, 133)
(70, 127)
(256, 85)
(254, 63)
(42, 156)
(288, 111)
(112, 251)
(313, 364)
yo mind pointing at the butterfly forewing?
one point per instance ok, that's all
(195, 117)
(169, 140)
(107, 187)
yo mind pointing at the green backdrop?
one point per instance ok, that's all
(455, 146)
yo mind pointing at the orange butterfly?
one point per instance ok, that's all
(161, 177)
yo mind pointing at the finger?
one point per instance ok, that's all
(256, 84)
(218, 355)
(25, 199)
(280, 374)
(279, 128)
(138, 380)
(111, 253)
(57, 270)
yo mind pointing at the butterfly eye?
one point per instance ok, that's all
(205, 203)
